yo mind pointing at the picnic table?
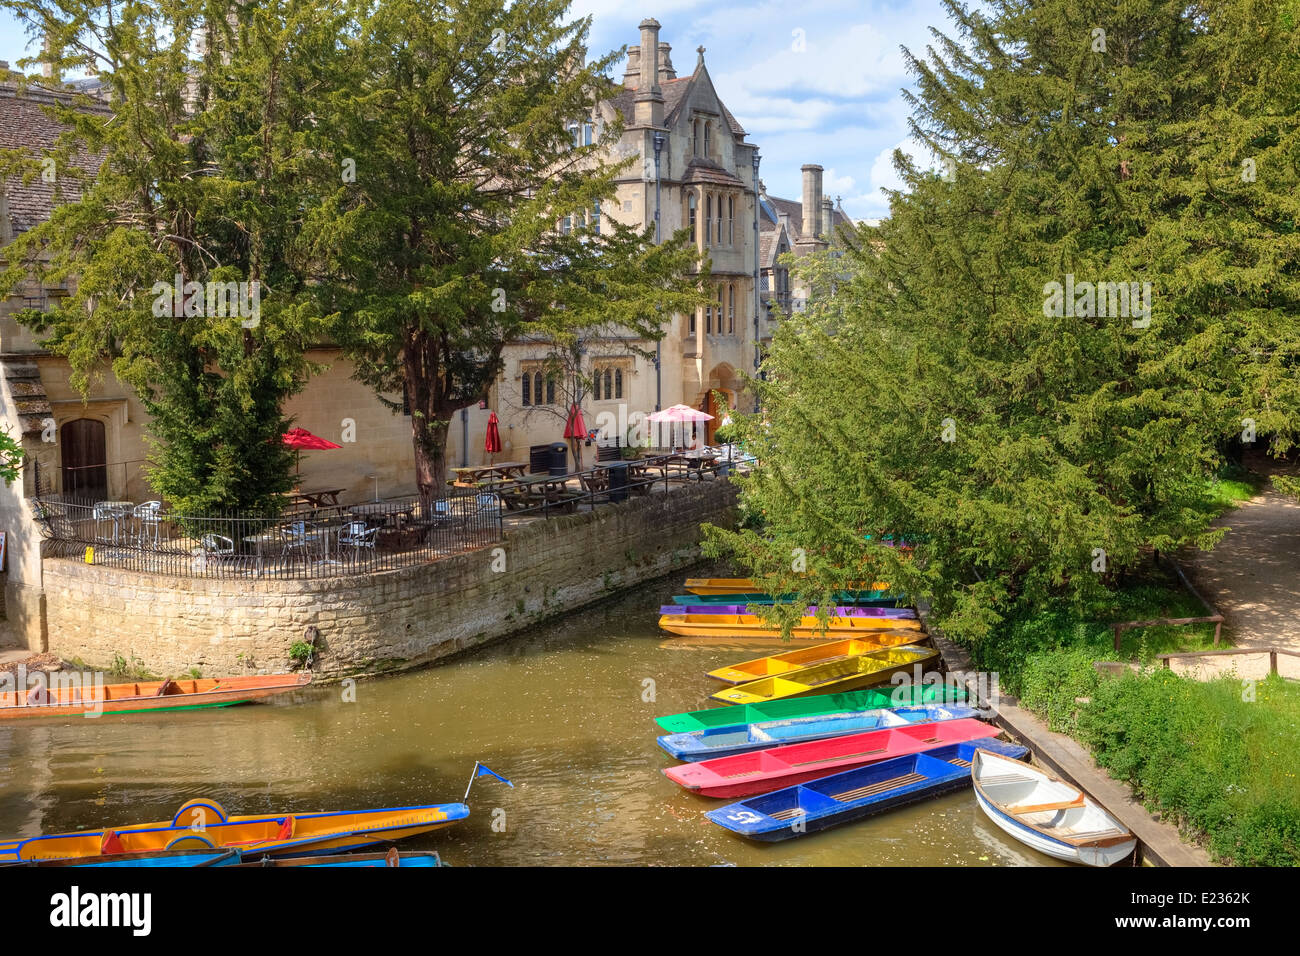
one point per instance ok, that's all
(520, 493)
(316, 500)
(389, 513)
(499, 472)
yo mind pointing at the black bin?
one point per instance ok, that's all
(559, 459)
(618, 481)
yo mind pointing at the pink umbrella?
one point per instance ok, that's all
(679, 413)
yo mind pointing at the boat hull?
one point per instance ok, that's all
(789, 661)
(742, 738)
(747, 585)
(851, 673)
(855, 794)
(855, 598)
(751, 625)
(1086, 833)
(760, 771)
(151, 696)
(893, 613)
(203, 825)
(905, 696)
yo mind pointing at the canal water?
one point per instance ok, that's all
(561, 711)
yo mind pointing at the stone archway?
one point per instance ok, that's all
(720, 393)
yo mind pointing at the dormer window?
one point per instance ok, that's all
(707, 124)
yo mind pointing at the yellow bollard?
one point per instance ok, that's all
(90, 555)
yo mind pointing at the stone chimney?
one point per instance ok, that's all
(47, 65)
(633, 72)
(649, 98)
(828, 218)
(812, 200)
(666, 71)
(784, 219)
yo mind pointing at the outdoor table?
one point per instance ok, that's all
(328, 498)
(113, 511)
(392, 512)
(492, 474)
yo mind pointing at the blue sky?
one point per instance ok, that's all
(835, 102)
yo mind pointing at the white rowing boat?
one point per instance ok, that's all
(1047, 814)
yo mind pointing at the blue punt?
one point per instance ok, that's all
(854, 794)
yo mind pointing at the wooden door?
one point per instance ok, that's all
(85, 459)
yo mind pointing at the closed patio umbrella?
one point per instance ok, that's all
(492, 442)
(575, 429)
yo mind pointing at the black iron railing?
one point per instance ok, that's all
(310, 543)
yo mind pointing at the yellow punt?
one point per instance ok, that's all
(848, 673)
(795, 660)
(751, 625)
(749, 586)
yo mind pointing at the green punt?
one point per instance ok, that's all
(861, 598)
(911, 696)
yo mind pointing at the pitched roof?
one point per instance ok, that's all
(674, 93)
(701, 170)
(25, 125)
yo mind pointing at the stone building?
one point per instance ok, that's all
(692, 167)
(801, 228)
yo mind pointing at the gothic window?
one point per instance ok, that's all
(731, 309)
(718, 222)
(706, 137)
(708, 218)
(731, 221)
(618, 383)
(550, 391)
(690, 204)
(528, 389)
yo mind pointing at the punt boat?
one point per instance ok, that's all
(802, 657)
(197, 859)
(761, 771)
(751, 625)
(858, 598)
(897, 613)
(848, 673)
(743, 585)
(146, 696)
(905, 696)
(742, 738)
(854, 794)
(1046, 813)
(203, 825)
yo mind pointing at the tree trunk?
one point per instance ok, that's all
(430, 414)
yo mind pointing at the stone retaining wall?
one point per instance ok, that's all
(378, 622)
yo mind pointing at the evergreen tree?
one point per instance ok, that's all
(998, 409)
(207, 162)
(447, 245)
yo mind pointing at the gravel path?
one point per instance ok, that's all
(1253, 577)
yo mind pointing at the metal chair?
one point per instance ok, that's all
(149, 514)
(358, 535)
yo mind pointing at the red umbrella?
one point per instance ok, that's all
(576, 427)
(300, 438)
(492, 444)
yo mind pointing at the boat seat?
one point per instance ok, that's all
(1075, 804)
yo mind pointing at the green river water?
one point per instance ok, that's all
(558, 710)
